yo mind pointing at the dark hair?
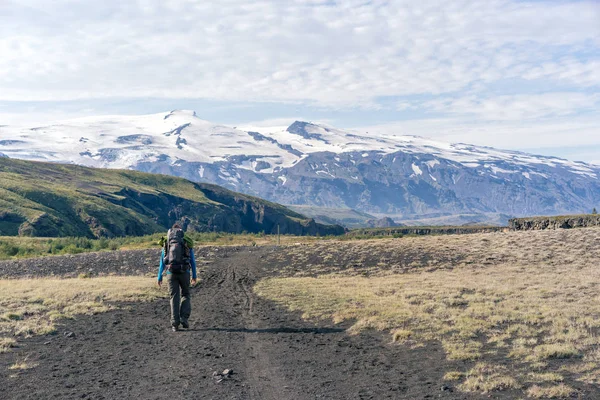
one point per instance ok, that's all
(176, 226)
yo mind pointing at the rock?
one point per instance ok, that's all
(385, 222)
(69, 334)
(442, 230)
(227, 372)
(561, 222)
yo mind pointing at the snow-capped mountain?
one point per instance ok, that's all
(314, 164)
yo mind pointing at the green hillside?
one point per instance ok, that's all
(46, 199)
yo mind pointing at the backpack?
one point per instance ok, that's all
(177, 253)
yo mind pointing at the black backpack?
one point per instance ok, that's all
(177, 253)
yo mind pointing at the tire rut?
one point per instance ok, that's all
(264, 377)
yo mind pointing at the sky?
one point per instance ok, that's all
(521, 75)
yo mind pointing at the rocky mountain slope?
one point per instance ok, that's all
(45, 199)
(406, 177)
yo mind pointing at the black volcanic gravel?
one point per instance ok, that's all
(122, 262)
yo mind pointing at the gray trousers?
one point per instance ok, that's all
(181, 304)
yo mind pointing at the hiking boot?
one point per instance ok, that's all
(175, 328)
(185, 324)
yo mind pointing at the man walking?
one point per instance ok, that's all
(178, 256)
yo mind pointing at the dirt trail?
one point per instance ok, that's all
(274, 354)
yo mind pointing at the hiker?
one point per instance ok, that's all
(178, 256)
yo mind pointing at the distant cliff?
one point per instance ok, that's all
(563, 221)
(425, 230)
(385, 222)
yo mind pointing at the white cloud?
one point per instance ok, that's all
(568, 70)
(269, 123)
(551, 135)
(517, 107)
(334, 54)
(511, 74)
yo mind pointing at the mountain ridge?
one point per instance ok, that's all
(319, 165)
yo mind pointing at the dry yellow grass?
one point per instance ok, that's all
(531, 295)
(544, 377)
(21, 366)
(32, 306)
(454, 376)
(561, 391)
(486, 378)
(6, 343)
(232, 239)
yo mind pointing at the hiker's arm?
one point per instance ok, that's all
(161, 266)
(193, 263)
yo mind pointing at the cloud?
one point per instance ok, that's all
(563, 136)
(269, 123)
(327, 53)
(517, 107)
(506, 73)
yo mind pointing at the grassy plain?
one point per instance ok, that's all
(521, 310)
(12, 247)
(15, 247)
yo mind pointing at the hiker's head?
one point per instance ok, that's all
(176, 226)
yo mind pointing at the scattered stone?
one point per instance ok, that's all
(69, 334)
(220, 377)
